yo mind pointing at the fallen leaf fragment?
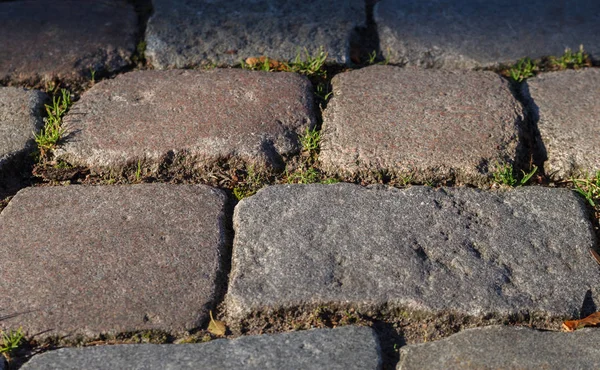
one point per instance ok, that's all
(591, 320)
(595, 255)
(216, 327)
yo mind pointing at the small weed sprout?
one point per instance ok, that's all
(571, 60)
(504, 175)
(310, 140)
(92, 75)
(522, 70)
(310, 65)
(138, 172)
(589, 188)
(372, 57)
(253, 181)
(53, 129)
(11, 341)
(323, 92)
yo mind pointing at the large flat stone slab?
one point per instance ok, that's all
(454, 249)
(107, 259)
(186, 33)
(422, 124)
(341, 348)
(48, 39)
(20, 116)
(474, 33)
(210, 115)
(565, 105)
(497, 347)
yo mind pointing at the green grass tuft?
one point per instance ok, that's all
(53, 130)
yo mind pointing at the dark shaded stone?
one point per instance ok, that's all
(186, 33)
(454, 249)
(48, 39)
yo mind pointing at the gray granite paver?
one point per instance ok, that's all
(423, 124)
(47, 39)
(210, 115)
(565, 105)
(472, 33)
(186, 33)
(459, 249)
(341, 348)
(497, 347)
(105, 259)
(20, 116)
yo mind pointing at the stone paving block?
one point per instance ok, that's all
(185, 33)
(497, 347)
(475, 33)
(83, 260)
(424, 124)
(47, 39)
(341, 348)
(210, 115)
(20, 116)
(565, 105)
(458, 249)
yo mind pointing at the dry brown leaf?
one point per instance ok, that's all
(591, 320)
(251, 61)
(595, 255)
(216, 327)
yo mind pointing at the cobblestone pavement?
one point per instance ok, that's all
(363, 213)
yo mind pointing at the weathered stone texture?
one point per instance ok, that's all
(65, 39)
(565, 105)
(498, 347)
(187, 33)
(106, 259)
(475, 33)
(208, 115)
(20, 117)
(422, 124)
(341, 348)
(457, 249)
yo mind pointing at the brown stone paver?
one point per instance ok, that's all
(47, 39)
(20, 117)
(107, 259)
(421, 124)
(475, 33)
(208, 115)
(185, 33)
(565, 105)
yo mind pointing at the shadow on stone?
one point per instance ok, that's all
(588, 306)
(364, 41)
(534, 147)
(390, 341)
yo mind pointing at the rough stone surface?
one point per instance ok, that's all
(565, 105)
(90, 260)
(424, 124)
(186, 33)
(472, 33)
(210, 115)
(47, 39)
(20, 116)
(497, 347)
(459, 249)
(342, 348)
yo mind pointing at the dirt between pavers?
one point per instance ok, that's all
(394, 328)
